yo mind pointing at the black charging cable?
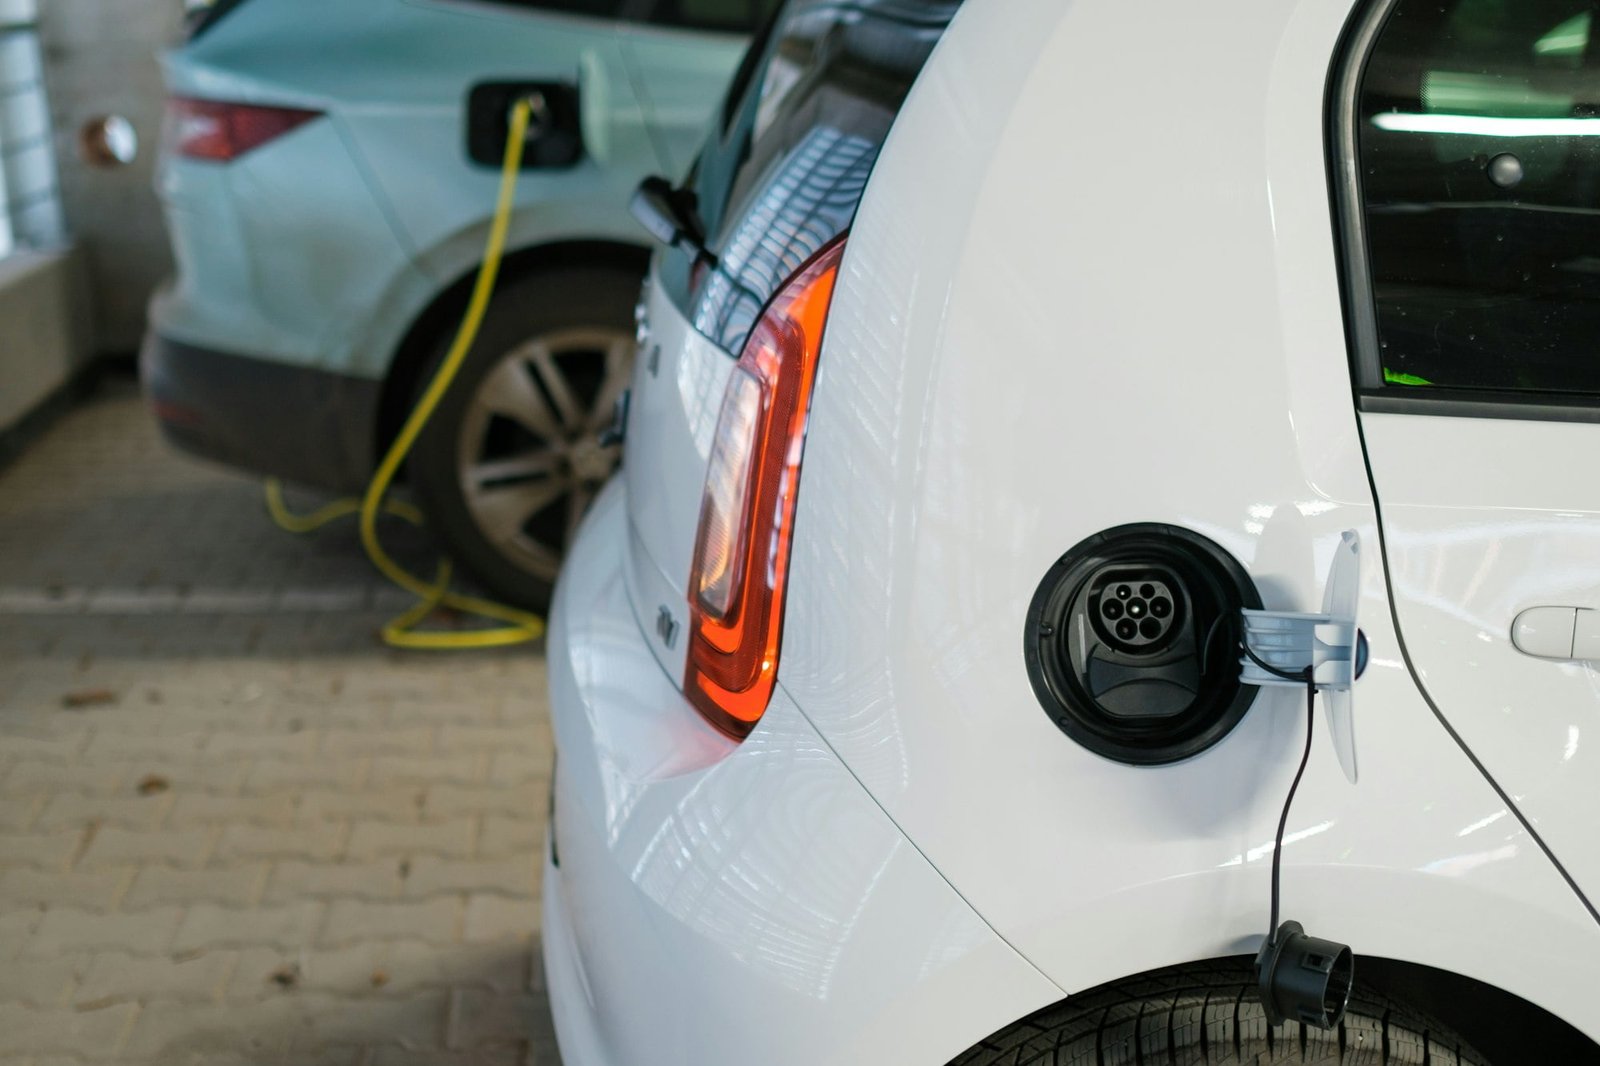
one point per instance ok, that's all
(1307, 675)
(1299, 976)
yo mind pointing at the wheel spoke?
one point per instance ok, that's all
(619, 368)
(503, 510)
(510, 390)
(543, 363)
(525, 467)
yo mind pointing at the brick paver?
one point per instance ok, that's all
(233, 828)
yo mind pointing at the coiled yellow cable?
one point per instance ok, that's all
(290, 522)
(400, 632)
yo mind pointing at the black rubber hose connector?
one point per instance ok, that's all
(1304, 978)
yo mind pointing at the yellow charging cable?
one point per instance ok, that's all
(400, 632)
(290, 522)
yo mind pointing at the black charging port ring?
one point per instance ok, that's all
(1191, 592)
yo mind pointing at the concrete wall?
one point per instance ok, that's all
(101, 57)
(43, 336)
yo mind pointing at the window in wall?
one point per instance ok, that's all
(30, 200)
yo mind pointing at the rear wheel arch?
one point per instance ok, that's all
(1490, 1017)
(443, 314)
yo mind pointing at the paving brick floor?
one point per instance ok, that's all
(233, 828)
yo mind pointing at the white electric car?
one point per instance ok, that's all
(1000, 490)
(329, 177)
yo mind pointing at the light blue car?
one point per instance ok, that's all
(329, 174)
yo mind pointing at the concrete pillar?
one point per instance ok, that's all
(102, 57)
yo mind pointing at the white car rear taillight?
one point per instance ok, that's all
(727, 493)
(741, 555)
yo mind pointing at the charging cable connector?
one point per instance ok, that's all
(1302, 977)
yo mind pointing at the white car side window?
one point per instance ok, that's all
(1478, 130)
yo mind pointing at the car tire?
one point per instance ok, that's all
(1208, 1015)
(511, 458)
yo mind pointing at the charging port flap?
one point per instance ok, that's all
(1329, 642)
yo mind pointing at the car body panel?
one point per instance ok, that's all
(393, 78)
(678, 381)
(719, 902)
(995, 387)
(436, 204)
(1473, 311)
(205, 232)
(1480, 526)
(254, 254)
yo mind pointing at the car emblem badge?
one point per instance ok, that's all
(666, 628)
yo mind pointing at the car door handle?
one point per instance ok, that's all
(1557, 633)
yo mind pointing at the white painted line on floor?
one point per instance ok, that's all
(172, 599)
(133, 601)
(222, 601)
(334, 599)
(42, 601)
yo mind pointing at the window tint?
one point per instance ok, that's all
(1478, 129)
(202, 15)
(749, 64)
(727, 16)
(594, 8)
(785, 174)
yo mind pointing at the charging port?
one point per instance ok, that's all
(1131, 639)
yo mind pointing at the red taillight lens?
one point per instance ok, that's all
(219, 131)
(741, 554)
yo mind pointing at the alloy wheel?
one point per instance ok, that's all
(529, 455)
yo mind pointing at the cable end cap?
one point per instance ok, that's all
(1304, 978)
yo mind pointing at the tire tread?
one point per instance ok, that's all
(1206, 1014)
